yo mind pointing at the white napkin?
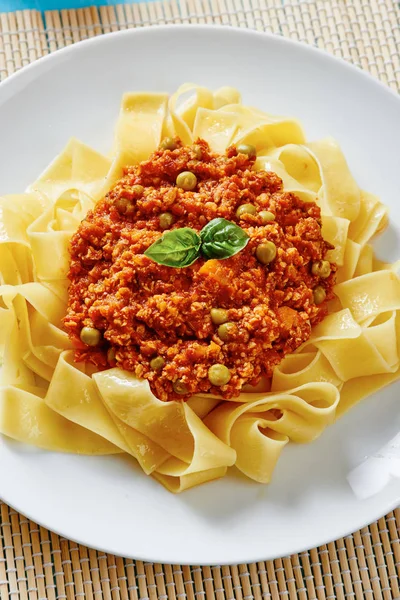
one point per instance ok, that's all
(374, 473)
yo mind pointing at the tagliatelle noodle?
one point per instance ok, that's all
(49, 401)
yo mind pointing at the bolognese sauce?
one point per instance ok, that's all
(214, 325)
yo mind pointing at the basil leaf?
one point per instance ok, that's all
(222, 239)
(177, 248)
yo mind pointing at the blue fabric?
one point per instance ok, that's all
(12, 5)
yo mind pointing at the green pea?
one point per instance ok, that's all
(168, 144)
(186, 180)
(226, 330)
(138, 190)
(319, 294)
(198, 152)
(266, 252)
(166, 220)
(111, 355)
(219, 316)
(180, 387)
(266, 216)
(219, 375)
(90, 336)
(247, 149)
(157, 363)
(321, 268)
(245, 209)
(122, 205)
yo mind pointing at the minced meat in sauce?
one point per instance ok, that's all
(143, 310)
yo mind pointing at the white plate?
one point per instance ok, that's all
(107, 502)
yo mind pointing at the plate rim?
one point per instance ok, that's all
(297, 549)
(245, 31)
(12, 80)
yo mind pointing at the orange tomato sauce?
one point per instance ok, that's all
(144, 309)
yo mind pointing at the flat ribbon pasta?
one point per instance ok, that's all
(335, 231)
(182, 116)
(270, 163)
(74, 395)
(34, 314)
(24, 416)
(372, 349)
(339, 195)
(172, 425)
(184, 482)
(371, 220)
(17, 212)
(370, 294)
(78, 167)
(258, 430)
(301, 173)
(139, 126)
(181, 119)
(48, 400)
(301, 368)
(236, 124)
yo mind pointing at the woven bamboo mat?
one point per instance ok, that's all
(36, 564)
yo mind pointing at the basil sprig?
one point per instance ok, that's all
(221, 239)
(177, 248)
(182, 247)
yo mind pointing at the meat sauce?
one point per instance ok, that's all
(145, 310)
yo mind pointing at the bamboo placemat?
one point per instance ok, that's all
(36, 564)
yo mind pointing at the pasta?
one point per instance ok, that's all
(48, 400)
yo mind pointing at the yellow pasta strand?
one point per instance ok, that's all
(78, 167)
(182, 117)
(49, 401)
(300, 369)
(339, 195)
(351, 257)
(269, 163)
(335, 230)
(371, 294)
(271, 420)
(372, 219)
(172, 425)
(25, 417)
(180, 484)
(139, 126)
(300, 165)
